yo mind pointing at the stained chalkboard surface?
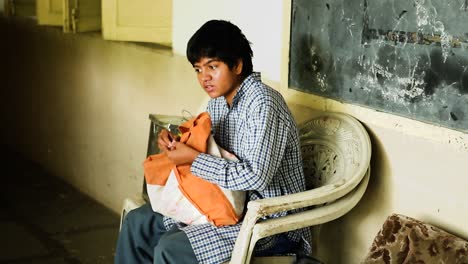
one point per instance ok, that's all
(407, 57)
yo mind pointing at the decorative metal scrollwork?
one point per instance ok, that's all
(321, 163)
(329, 147)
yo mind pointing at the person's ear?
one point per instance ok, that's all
(238, 67)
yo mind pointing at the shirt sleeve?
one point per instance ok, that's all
(263, 144)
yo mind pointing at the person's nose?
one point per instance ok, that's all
(206, 76)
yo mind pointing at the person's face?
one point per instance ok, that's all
(217, 79)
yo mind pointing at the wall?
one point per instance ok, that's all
(258, 20)
(78, 105)
(418, 169)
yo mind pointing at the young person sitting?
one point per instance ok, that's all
(250, 120)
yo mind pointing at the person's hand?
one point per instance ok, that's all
(182, 154)
(166, 140)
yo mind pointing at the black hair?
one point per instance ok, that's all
(222, 40)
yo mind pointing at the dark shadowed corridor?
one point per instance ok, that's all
(44, 220)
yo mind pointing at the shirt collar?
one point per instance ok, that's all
(245, 86)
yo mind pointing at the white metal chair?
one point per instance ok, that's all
(336, 153)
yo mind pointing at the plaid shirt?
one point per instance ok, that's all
(261, 131)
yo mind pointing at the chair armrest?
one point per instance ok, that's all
(321, 195)
(312, 217)
(251, 231)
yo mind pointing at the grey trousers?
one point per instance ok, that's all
(144, 239)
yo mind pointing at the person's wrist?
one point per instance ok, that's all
(195, 155)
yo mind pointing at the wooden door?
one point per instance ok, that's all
(142, 20)
(81, 15)
(49, 12)
(23, 8)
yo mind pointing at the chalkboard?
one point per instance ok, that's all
(404, 57)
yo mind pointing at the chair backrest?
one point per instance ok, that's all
(336, 151)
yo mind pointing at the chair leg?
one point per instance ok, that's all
(315, 230)
(253, 241)
(244, 240)
(128, 205)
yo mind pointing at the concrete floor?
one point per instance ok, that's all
(44, 220)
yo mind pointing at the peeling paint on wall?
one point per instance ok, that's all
(404, 57)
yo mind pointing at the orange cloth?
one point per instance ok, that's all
(207, 197)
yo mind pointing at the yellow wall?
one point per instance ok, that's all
(78, 105)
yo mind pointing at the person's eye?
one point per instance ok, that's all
(213, 67)
(197, 70)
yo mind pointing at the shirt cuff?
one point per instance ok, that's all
(201, 166)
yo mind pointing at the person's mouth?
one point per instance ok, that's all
(209, 88)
